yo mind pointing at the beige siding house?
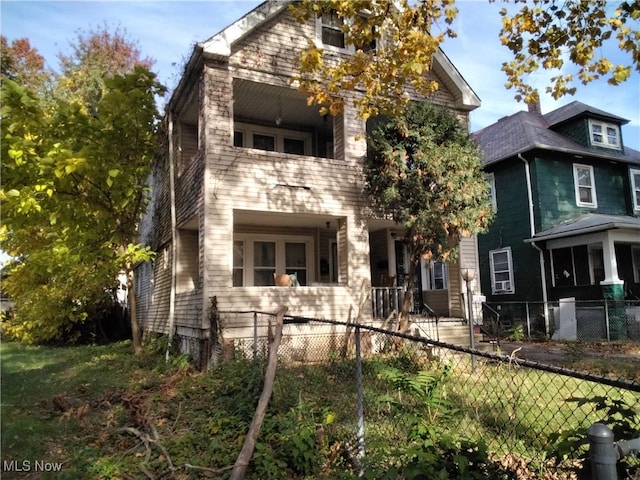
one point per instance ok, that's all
(255, 182)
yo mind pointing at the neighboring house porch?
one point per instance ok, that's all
(593, 256)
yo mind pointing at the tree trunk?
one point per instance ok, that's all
(404, 320)
(133, 311)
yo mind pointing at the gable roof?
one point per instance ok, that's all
(524, 131)
(221, 43)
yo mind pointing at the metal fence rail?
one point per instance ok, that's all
(398, 382)
(571, 319)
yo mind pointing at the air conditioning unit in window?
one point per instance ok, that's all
(503, 286)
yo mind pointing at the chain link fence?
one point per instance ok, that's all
(567, 319)
(394, 393)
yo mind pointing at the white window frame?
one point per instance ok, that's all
(241, 267)
(592, 186)
(607, 131)
(505, 289)
(491, 180)
(320, 25)
(593, 251)
(432, 275)
(347, 48)
(249, 241)
(635, 187)
(279, 134)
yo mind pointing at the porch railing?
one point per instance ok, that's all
(388, 299)
(385, 300)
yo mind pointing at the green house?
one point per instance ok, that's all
(567, 197)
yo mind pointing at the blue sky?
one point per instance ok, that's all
(167, 30)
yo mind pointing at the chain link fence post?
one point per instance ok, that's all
(360, 402)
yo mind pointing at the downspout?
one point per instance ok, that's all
(174, 239)
(532, 227)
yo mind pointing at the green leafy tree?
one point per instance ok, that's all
(550, 34)
(74, 185)
(423, 170)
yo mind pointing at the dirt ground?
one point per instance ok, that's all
(618, 359)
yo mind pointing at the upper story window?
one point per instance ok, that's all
(330, 27)
(635, 188)
(604, 134)
(501, 267)
(585, 186)
(491, 180)
(272, 139)
(332, 33)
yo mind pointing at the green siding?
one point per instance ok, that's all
(509, 229)
(554, 190)
(578, 131)
(554, 200)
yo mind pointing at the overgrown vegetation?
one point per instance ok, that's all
(106, 414)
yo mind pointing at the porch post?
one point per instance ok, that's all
(613, 291)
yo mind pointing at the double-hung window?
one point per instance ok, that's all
(491, 180)
(332, 33)
(635, 188)
(437, 276)
(604, 134)
(585, 186)
(501, 271)
(330, 27)
(255, 260)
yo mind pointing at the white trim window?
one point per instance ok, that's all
(585, 186)
(491, 180)
(331, 32)
(635, 188)
(272, 139)
(501, 266)
(437, 275)
(604, 134)
(257, 258)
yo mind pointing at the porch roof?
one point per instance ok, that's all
(589, 223)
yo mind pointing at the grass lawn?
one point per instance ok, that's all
(99, 412)
(47, 391)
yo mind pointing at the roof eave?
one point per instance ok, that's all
(176, 95)
(584, 231)
(570, 151)
(220, 44)
(464, 95)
